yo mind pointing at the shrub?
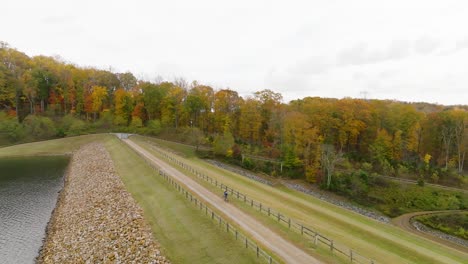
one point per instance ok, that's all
(39, 127)
(154, 127)
(77, 127)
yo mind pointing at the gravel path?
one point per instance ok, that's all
(283, 248)
(96, 220)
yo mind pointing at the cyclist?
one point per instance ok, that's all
(225, 195)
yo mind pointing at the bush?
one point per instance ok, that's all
(248, 164)
(154, 127)
(77, 127)
(71, 126)
(136, 122)
(38, 127)
(9, 125)
(366, 166)
(120, 121)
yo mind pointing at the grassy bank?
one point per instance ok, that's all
(381, 242)
(51, 147)
(455, 224)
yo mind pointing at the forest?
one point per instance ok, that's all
(322, 140)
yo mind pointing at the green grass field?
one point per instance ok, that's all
(185, 234)
(381, 242)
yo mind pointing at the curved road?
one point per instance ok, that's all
(404, 222)
(283, 248)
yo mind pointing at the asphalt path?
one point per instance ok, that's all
(281, 247)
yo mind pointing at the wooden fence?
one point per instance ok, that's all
(314, 236)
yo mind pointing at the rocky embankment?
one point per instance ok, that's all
(96, 220)
(421, 227)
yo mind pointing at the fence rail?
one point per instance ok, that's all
(314, 236)
(248, 243)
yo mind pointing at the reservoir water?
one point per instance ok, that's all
(29, 188)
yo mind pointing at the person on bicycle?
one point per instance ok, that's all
(225, 195)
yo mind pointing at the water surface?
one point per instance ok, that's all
(29, 189)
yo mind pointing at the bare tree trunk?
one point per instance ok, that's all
(447, 139)
(17, 105)
(460, 140)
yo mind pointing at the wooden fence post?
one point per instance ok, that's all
(351, 255)
(268, 211)
(289, 222)
(302, 230)
(246, 243)
(257, 251)
(331, 246)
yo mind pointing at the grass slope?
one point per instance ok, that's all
(185, 234)
(381, 242)
(51, 147)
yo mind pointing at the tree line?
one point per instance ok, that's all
(312, 137)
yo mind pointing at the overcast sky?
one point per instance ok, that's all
(407, 50)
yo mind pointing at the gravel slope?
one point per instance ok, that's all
(96, 220)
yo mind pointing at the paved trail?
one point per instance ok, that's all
(404, 222)
(283, 248)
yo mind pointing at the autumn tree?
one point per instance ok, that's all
(173, 107)
(460, 117)
(329, 158)
(199, 103)
(123, 104)
(226, 106)
(250, 121)
(127, 80)
(14, 63)
(381, 150)
(153, 97)
(269, 102)
(97, 97)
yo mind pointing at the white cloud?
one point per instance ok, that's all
(426, 45)
(317, 48)
(360, 54)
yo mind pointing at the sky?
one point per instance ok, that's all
(411, 50)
